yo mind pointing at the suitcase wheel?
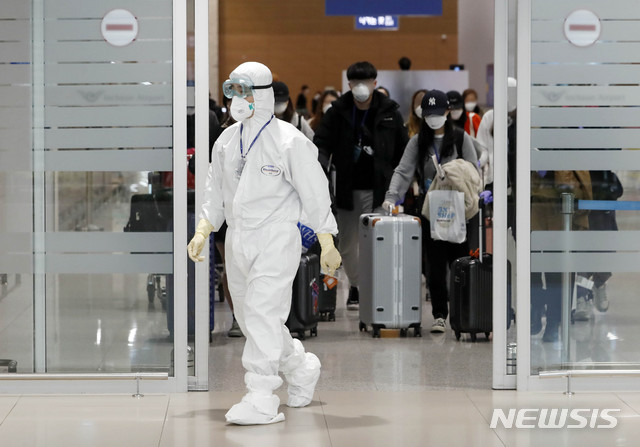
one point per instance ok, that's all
(473, 337)
(487, 334)
(458, 335)
(314, 332)
(363, 327)
(417, 331)
(403, 333)
(376, 332)
(332, 316)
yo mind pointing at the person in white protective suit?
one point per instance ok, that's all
(264, 173)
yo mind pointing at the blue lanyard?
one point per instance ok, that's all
(435, 151)
(243, 155)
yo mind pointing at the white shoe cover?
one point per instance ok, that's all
(302, 381)
(259, 405)
(246, 413)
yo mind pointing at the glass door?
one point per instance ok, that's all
(578, 119)
(88, 187)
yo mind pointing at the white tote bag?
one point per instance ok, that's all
(446, 215)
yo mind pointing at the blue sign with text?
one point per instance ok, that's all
(383, 7)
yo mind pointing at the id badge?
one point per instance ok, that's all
(240, 167)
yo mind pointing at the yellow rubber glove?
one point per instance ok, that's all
(330, 258)
(196, 245)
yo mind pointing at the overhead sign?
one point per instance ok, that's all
(377, 22)
(582, 28)
(383, 7)
(119, 27)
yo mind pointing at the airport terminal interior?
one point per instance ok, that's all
(100, 341)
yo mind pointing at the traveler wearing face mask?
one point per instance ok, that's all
(364, 135)
(437, 137)
(469, 121)
(264, 173)
(283, 109)
(324, 103)
(470, 100)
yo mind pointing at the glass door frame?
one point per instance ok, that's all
(501, 380)
(43, 383)
(525, 380)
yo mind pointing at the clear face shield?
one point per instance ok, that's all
(240, 88)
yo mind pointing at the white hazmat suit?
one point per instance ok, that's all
(281, 178)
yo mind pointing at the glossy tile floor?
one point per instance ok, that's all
(432, 391)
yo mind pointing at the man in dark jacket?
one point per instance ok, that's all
(364, 135)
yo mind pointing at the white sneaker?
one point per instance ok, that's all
(583, 309)
(600, 298)
(438, 326)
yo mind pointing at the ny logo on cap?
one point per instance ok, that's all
(432, 101)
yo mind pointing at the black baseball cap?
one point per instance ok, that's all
(280, 91)
(455, 100)
(434, 102)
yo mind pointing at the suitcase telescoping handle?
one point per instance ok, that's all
(481, 228)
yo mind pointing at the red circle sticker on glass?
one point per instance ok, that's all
(119, 27)
(582, 28)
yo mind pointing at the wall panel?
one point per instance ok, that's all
(303, 46)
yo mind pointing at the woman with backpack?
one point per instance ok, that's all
(437, 137)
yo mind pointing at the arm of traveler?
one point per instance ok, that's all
(401, 139)
(403, 173)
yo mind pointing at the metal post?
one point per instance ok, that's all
(569, 392)
(567, 214)
(138, 395)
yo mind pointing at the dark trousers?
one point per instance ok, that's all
(547, 301)
(440, 255)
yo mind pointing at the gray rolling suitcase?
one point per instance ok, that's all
(390, 273)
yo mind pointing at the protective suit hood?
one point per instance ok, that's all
(264, 99)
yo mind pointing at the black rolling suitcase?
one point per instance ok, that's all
(304, 313)
(328, 290)
(471, 299)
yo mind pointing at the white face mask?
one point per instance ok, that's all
(470, 106)
(418, 111)
(280, 107)
(241, 109)
(456, 114)
(361, 92)
(326, 107)
(435, 121)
